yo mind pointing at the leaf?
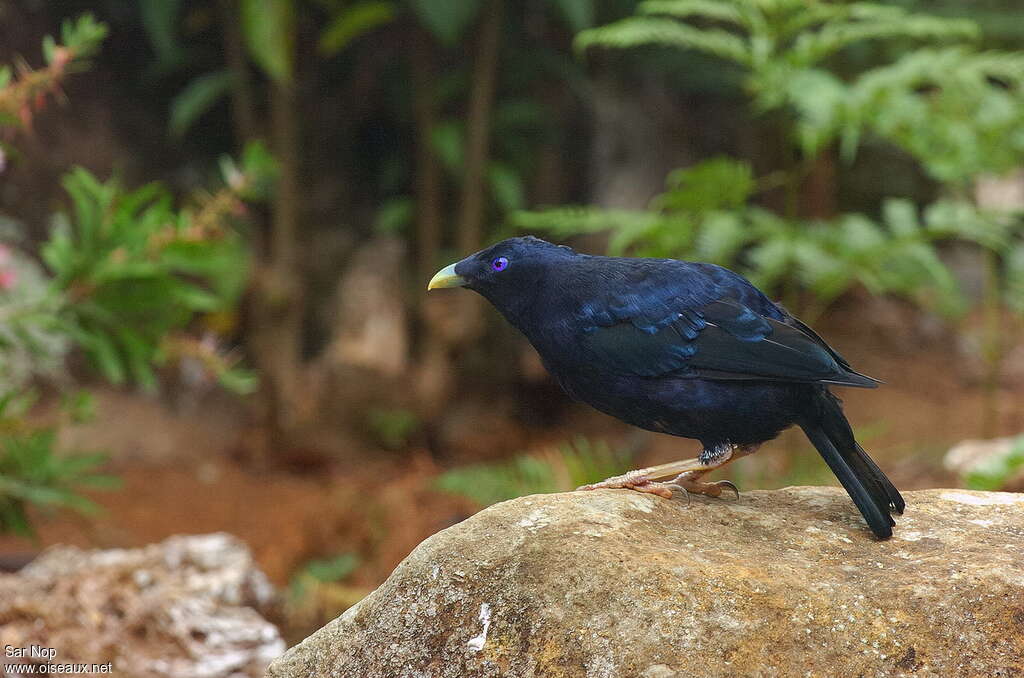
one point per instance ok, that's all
(446, 19)
(636, 31)
(332, 569)
(352, 22)
(238, 381)
(198, 97)
(160, 20)
(269, 29)
(901, 217)
(717, 183)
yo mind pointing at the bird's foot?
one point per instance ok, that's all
(691, 484)
(639, 480)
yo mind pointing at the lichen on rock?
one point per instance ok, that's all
(188, 606)
(614, 583)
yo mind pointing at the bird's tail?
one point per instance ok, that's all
(871, 491)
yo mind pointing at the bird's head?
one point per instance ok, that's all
(508, 274)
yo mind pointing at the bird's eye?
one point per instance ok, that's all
(499, 264)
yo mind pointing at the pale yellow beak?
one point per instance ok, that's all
(446, 277)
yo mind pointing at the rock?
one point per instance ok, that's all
(615, 583)
(184, 607)
(369, 319)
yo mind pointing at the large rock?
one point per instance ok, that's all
(616, 583)
(188, 606)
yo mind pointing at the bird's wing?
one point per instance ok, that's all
(722, 339)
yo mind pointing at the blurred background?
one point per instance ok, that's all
(218, 218)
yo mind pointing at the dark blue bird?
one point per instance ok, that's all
(689, 349)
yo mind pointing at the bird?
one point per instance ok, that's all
(685, 348)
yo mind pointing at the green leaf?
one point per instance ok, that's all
(712, 10)
(160, 19)
(718, 183)
(636, 31)
(332, 569)
(901, 217)
(239, 381)
(269, 29)
(49, 47)
(353, 21)
(198, 97)
(446, 19)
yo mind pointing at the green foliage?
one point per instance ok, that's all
(321, 571)
(199, 96)
(82, 36)
(958, 111)
(269, 30)
(133, 270)
(32, 474)
(160, 19)
(705, 215)
(571, 465)
(997, 469)
(352, 21)
(31, 340)
(25, 92)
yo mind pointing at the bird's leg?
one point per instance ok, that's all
(716, 457)
(681, 475)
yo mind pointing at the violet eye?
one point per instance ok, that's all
(499, 264)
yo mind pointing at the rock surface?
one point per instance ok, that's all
(616, 583)
(184, 607)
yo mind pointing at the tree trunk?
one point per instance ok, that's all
(478, 129)
(276, 341)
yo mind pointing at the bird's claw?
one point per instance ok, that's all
(732, 486)
(682, 490)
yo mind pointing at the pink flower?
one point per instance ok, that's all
(7, 279)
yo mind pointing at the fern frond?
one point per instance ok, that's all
(811, 47)
(643, 30)
(712, 10)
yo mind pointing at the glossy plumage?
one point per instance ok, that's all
(689, 349)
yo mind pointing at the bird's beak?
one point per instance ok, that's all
(447, 277)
